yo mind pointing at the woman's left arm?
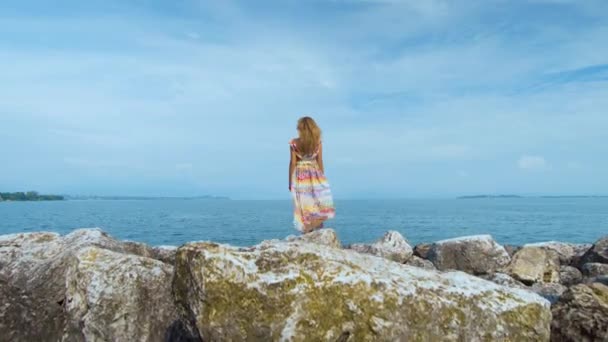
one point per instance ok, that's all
(292, 164)
(320, 158)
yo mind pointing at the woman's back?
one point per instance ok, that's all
(303, 156)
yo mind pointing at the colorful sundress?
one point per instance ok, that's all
(311, 193)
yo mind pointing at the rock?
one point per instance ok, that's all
(422, 250)
(569, 275)
(535, 264)
(581, 314)
(550, 291)
(594, 269)
(579, 251)
(419, 262)
(21, 253)
(603, 279)
(136, 248)
(114, 296)
(391, 246)
(295, 291)
(114, 291)
(566, 251)
(325, 236)
(597, 253)
(478, 254)
(511, 249)
(165, 254)
(37, 262)
(25, 317)
(503, 279)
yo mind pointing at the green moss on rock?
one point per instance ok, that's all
(306, 292)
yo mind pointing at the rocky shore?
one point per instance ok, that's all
(89, 286)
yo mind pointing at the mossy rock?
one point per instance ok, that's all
(296, 291)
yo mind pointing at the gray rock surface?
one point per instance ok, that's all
(581, 314)
(419, 262)
(504, 279)
(567, 252)
(599, 279)
(118, 297)
(38, 261)
(511, 249)
(478, 254)
(85, 285)
(594, 269)
(422, 250)
(570, 275)
(325, 236)
(550, 291)
(392, 246)
(25, 317)
(597, 253)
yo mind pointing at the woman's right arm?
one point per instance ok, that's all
(320, 158)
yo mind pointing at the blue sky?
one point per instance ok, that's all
(415, 98)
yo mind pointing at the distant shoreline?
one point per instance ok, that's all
(518, 196)
(33, 196)
(144, 198)
(30, 196)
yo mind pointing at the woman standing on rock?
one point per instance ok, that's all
(313, 203)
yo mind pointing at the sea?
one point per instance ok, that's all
(247, 222)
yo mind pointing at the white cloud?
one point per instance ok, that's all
(532, 163)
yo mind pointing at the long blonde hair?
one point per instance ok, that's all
(310, 135)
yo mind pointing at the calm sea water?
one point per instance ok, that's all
(173, 222)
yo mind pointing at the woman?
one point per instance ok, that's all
(313, 203)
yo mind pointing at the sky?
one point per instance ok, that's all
(434, 98)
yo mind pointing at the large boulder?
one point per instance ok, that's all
(25, 317)
(118, 297)
(594, 269)
(478, 254)
(21, 254)
(297, 291)
(326, 237)
(597, 253)
(569, 275)
(37, 262)
(566, 251)
(535, 265)
(581, 314)
(113, 287)
(392, 246)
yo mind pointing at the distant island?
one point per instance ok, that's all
(28, 196)
(142, 198)
(518, 196)
(489, 196)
